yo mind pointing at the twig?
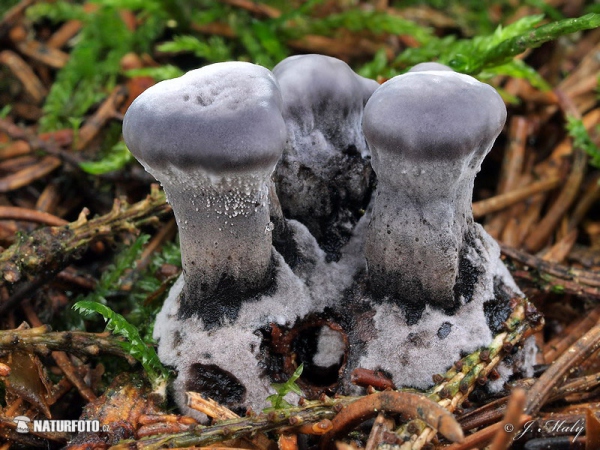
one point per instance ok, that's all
(236, 428)
(58, 390)
(522, 217)
(480, 438)
(380, 428)
(30, 215)
(571, 334)
(218, 412)
(586, 201)
(25, 74)
(209, 407)
(149, 419)
(499, 202)
(576, 386)
(16, 148)
(255, 7)
(13, 15)
(592, 430)
(48, 199)
(168, 426)
(156, 242)
(584, 278)
(287, 442)
(64, 33)
(538, 237)
(484, 415)
(412, 405)
(512, 422)
(62, 359)
(455, 386)
(542, 389)
(52, 145)
(50, 249)
(559, 251)
(42, 340)
(511, 170)
(365, 377)
(105, 112)
(353, 46)
(25, 176)
(555, 277)
(42, 53)
(550, 284)
(16, 164)
(21, 292)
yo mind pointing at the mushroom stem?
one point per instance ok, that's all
(428, 131)
(216, 251)
(414, 240)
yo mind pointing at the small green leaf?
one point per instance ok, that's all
(518, 69)
(5, 111)
(213, 50)
(117, 158)
(160, 73)
(135, 345)
(582, 140)
(558, 289)
(502, 52)
(95, 303)
(282, 389)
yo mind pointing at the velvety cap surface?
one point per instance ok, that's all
(312, 81)
(433, 115)
(222, 117)
(429, 66)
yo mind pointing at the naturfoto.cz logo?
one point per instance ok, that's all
(58, 426)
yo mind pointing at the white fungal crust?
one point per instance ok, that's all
(230, 352)
(324, 177)
(228, 362)
(413, 352)
(428, 131)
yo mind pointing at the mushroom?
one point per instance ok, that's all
(324, 178)
(212, 138)
(430, 66)
(428, 131)
(435, 284)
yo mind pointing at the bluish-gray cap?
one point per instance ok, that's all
(225, 117)
(433, 114)
(429, 66)
(314, 84)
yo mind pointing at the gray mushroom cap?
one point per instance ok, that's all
(429, 66)
(319, 93)
(433, 115)
(225, 117)
(323, 74)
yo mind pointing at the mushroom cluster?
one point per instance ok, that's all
(324, 220)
